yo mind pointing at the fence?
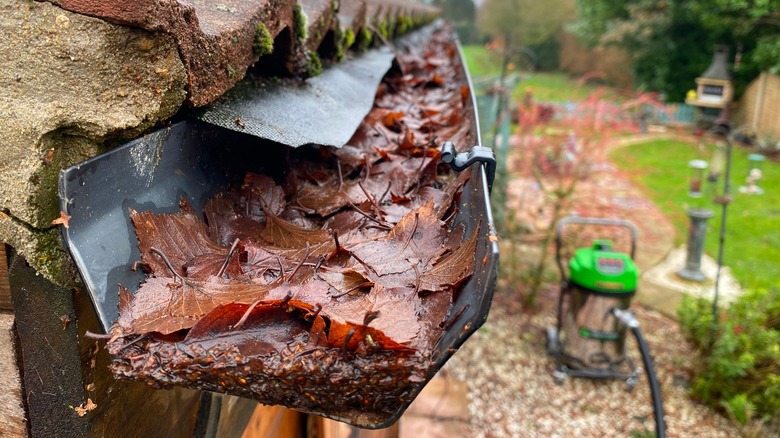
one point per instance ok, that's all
(760, 106)
(672, 114)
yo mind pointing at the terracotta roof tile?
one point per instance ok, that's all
(219, 40)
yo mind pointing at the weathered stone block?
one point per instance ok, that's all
(215, 38)
(70, 87)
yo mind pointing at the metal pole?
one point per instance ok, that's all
(724, 200)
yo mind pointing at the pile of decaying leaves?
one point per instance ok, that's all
(326, 291)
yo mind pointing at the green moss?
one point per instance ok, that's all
(392, 29)
(299, 23)
(401, 27)
(339, 43)
(51, 258)
(313, 65)
(383, 29)
(231, 72)
(45, 200)
(68, 149)
(405, 24)
(364, 39)
(264, 42)
(349, 38)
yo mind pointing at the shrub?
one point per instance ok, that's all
(738, 370)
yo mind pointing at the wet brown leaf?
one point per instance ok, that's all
(346, 280)
(283, 234)
(388, 312)
(261, 195)
(330, 198)
(180, 237)
(62, 220)
(205, 265)
(394, 120)
(85, 407)
(415, 240)
(166, 305)
(452, 269)
(268, 328)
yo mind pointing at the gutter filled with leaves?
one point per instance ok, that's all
(338, 286)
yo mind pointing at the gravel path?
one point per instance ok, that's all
(511, 392)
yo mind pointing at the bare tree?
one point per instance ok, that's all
(516, 24)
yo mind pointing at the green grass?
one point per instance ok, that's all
(546, 86)
(752, 243)
(480, 61)
(553, 87)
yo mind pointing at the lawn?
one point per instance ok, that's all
(546, 86)
(480, 61)
(752, 243)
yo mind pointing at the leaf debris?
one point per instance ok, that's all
(337, 278)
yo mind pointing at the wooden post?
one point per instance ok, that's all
(63, 370)
(323, 428)
(275, 421)
(5, 287)
(280, 422)
(12, 420)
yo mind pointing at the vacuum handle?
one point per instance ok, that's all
(569, 220)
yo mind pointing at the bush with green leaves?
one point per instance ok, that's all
(738, 367)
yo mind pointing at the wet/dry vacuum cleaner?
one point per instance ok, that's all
(593, 317)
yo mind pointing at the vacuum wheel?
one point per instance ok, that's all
(632, 380)
(559, 377)
(553, 343)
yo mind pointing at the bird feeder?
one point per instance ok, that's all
(751, 187)
(698, 216)
(714, 88)
(755, 162)
(697, 168)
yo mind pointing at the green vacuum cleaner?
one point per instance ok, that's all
(593, 313)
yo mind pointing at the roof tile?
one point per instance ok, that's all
(219, 40)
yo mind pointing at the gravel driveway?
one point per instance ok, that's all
(511, 392)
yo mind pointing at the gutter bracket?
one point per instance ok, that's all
(477, 154)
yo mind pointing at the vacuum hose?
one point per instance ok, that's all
(628, 318)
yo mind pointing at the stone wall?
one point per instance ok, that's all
(70, 85)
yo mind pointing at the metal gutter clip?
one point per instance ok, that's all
(477, 154)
